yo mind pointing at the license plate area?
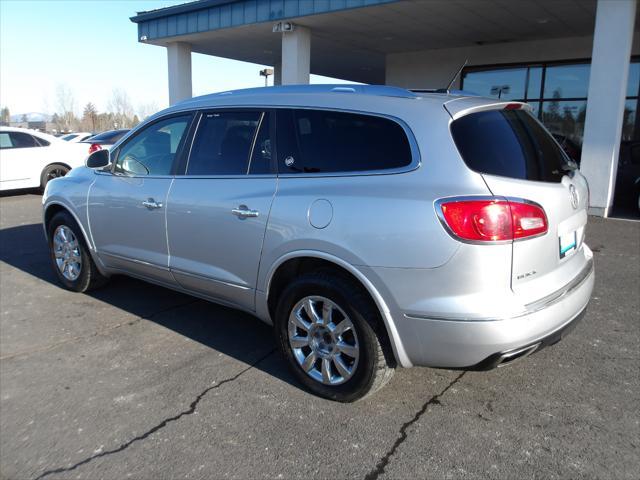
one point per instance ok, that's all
(568, 243)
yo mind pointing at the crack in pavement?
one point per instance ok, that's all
(95, 334)
(384, 461)
(189, 411)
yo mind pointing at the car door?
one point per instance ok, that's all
(21, 160)
(127, 205)
(218, 210)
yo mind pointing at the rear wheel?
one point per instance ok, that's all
(51, 172)
(70, 256)
(326, 328)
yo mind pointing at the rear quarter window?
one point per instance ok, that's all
(319, 141)
(509, 143)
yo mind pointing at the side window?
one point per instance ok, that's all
(320, 141)
(223, 143)
(5, 140)
(42, 142)
(153, 150)
(22, 140)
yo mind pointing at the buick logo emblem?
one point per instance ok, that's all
(573, 196)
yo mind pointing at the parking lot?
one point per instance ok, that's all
(135, 381)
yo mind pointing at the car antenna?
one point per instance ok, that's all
(457, 75)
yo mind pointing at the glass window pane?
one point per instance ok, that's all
(223, 143)
(509, 143)
(23, 140)
(535, 82)
(566, 81)
(5, 140)
(634, 79)
(565, 120)
(152, 151)
(507, 83)
(346, 142)
(629, 121)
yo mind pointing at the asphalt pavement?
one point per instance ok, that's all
(136, 381)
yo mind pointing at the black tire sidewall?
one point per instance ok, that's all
(45, 173)
(343, 295)
(81, 283)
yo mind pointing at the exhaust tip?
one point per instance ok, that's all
(514, 355)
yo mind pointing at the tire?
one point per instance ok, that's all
(52, 171)
(373, 364)
(81, 273)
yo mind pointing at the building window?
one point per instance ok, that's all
(557, 93)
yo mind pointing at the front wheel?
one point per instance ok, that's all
(70, 256)
(326, 328)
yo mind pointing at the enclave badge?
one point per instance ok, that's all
(573, 195)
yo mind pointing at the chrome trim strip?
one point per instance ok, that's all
(133, 260)
(209, 279)
(529, 308)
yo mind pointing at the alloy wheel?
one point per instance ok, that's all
(323, 340)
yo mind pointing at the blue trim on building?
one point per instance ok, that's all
(208, 15)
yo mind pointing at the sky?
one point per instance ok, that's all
(91, 48)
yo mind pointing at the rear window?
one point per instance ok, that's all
(509, 143)
(319, 141)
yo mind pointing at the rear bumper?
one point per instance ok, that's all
(483, 344)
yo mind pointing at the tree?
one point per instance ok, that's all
(65, 106)
(147, 109)
(121, 107)
(89, 117)
(5, 116)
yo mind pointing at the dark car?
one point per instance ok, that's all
(104, 139)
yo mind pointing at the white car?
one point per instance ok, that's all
(76, 137)
(29, 159)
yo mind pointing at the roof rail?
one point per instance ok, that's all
(379, 90)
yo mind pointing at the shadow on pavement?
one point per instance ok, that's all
(225, 330)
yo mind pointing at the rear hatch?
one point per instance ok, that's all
(518, 158)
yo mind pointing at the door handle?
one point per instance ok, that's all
(243, 212)
(151, 204)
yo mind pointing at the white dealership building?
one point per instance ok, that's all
(574, 61)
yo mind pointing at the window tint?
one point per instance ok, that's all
(152, 151)
(509, 143)
(42, 142)
(325, 141)
(223, 143)
(22, 140)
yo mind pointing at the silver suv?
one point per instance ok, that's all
(372, 226)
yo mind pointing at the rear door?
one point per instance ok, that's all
(218, 209)
(518, 158)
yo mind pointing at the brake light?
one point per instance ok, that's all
(493, 219)
(513, 106)
(94, 148)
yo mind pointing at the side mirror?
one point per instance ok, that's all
(98, 159)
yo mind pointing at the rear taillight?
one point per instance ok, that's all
(492, 219)
(94, 148)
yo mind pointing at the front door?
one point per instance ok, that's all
(218, 210)
(127, 206)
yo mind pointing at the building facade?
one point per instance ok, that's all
(575, 61)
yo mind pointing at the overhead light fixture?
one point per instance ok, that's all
(282, 27)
